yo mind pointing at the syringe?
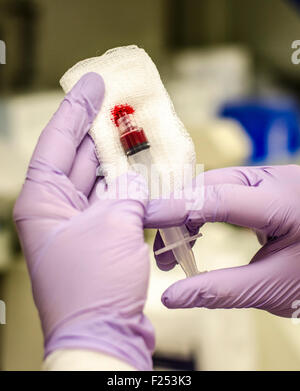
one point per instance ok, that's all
(137, 149)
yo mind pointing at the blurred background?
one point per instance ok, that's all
(228, 67)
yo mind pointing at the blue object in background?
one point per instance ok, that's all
(296, 3)
(272, 125)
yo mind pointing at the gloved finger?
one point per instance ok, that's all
(229, 175)
(240, 205)
(128, 186)
(163, 213)
(83, 172)
(58, 142)
(238, 287)
(48, 193)
(159, 211)
(251, 207)
(166, 261)
(172, 212)
(248, 176)
(244, 175)
(43, 203)
(98, 189)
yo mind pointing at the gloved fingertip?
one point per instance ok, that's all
(90, 91)
(164, 261)
(90, 150)
(165, 301)
(165, 267)
(168, 299)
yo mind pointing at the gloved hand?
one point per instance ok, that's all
(265, 199)
(87, 259)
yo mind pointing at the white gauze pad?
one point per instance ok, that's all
(131, 77)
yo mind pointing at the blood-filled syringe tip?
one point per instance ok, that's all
(119, 111)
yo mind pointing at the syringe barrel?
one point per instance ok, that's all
(132, 137)
(183, 253)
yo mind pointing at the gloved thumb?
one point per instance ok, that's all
(237, 287)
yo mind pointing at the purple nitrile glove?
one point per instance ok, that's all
(265, 199)
(87, 259)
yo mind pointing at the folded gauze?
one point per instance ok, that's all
(131, 78)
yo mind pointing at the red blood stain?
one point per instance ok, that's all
(119, 110)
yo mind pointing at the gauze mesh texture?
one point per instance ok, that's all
(131, 77)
